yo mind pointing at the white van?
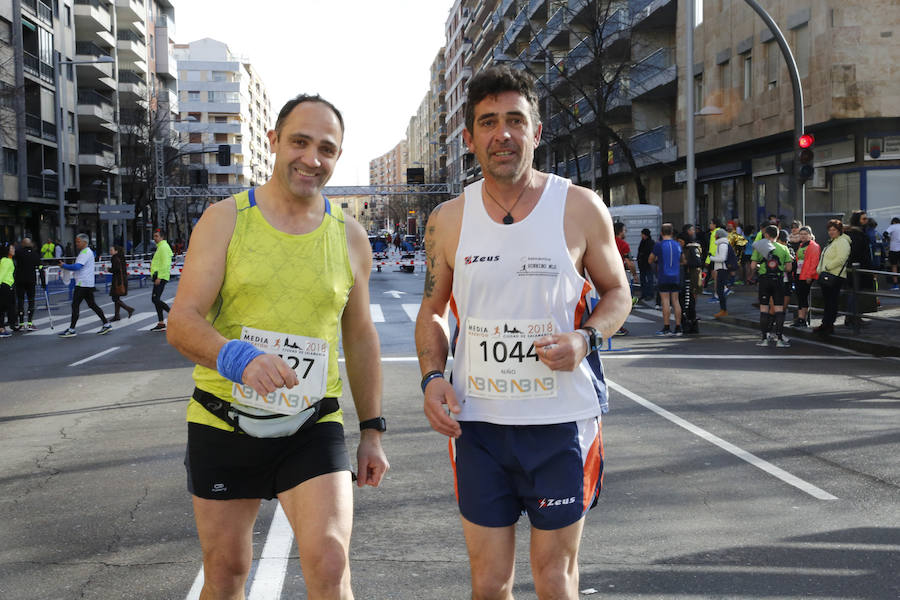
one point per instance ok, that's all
(636, 217)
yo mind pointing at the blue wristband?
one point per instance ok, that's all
(429, 376)
(234, 357)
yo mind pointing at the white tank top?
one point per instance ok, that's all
(512, 284)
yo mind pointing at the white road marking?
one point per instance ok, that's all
(88, 317)
(395, 293)
(197, 587)
(412, 311)
(273, 562)
(376, 312)
(727, 446)
(98, 355)
(741, 357)
(632, 318)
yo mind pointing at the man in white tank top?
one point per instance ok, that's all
(511, 257)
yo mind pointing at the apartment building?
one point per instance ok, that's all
(222, 100)
(114, 63)
(847, 54)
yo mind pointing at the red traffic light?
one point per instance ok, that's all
(365, 205)
(806, 141)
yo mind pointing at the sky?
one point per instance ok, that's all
(370, 58)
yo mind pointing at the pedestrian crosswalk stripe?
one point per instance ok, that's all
(377, 313)
(412, 311)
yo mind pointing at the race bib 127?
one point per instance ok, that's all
(307, 356)
(502, 362)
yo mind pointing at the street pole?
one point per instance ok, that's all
(798, 188)
(690, 208)
(61, 135)
(109, 223)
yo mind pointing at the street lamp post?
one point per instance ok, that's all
(62, 134)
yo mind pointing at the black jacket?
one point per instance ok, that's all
(27, 262)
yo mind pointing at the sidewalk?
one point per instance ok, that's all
(881, 338)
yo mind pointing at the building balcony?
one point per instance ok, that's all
(42, 186)
(654, 14)
(132, 86)
(94, 155)
(211, 147)
(167, 99)
(655, 76)
(131, 46)
(41, 10)
(90, 15)
(555, 28)
(37, 68)
(652, 147)
(515, 30)
(130, 10)
(38, 128)
(95, 111)
(210, 107)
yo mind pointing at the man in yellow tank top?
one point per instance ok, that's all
(259, 311)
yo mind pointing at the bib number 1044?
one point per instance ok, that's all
(502, 362)
(502, 352)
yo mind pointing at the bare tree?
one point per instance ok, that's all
(585, 85)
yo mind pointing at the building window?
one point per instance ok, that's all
(220, 119)
(773, 64)
(193, 96)
(748, 76)
(71, 122)
(68, 16)
(725, 78)
(698, 92)
(220, 75)
(10, 161)
(698, 12)
(195, 138)
(802, 49)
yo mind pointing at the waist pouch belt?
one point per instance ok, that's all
(260, 423)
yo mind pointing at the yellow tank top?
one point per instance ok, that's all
(277, 281)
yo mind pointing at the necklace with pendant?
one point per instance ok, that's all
(508, 219)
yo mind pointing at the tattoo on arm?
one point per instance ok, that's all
(429, 280)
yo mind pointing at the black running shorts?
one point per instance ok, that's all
(223, 465)
(770, 287)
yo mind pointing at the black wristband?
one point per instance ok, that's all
(429, 376)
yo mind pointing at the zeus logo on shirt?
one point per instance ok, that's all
(545, 502)
(480, 259)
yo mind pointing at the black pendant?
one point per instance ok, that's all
(508, 220)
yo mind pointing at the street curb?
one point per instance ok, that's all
(851, 343)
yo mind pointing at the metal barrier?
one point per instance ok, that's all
(854, 293)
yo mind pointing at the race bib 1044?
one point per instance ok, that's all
(502, 362)
(307, 356)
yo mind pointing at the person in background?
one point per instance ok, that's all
(784, 238)
(666, 256)
(714, 227)
(625, 252)
(718, 260)
(83, 268)
(28, 263)
(772, 260)
(7, 281)
(118, 287)
(645, 248)
(807, 260)
(47, 249)
(893, 234)
(160, 269)
(861, 255)
(833, 261)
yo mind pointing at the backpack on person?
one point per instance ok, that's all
(731, 260)
(693, 255)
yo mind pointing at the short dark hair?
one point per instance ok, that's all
(161, 232)
(618, 226)
(771, 231)
(666, 229)
(895, 220)
(496, 80)
(646, 231)
(856, 218)
(837, 224)
(300, 99)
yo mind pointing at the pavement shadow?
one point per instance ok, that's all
(849, 563)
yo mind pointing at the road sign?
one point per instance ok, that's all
(116, 212)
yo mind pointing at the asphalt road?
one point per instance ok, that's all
(732, 471)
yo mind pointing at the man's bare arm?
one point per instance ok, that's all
(201, 279)
(363, 354)
(432, 330)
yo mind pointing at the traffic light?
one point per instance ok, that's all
(224, 155)
(805, 155)
(365, 206)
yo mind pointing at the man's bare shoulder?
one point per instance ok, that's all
(584, 204)
(447, 214)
